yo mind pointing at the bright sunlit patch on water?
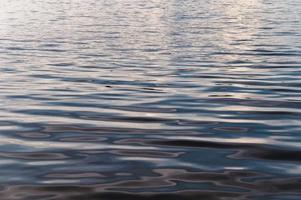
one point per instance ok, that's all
(65, 145)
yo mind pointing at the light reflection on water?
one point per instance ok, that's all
(152, 99)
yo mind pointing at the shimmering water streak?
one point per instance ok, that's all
(159, 99)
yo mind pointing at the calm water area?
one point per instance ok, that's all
(150, 99)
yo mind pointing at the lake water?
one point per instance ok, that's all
(150, 99)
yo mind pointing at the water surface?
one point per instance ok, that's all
(152, 99)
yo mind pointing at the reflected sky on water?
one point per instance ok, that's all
(120, 99)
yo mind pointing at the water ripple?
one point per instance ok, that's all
(151, 99)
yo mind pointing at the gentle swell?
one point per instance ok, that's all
(150, 99)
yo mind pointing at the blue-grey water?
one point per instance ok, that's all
(150, 99)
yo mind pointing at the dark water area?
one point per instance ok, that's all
(150, 99)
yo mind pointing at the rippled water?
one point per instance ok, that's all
(153, 99)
